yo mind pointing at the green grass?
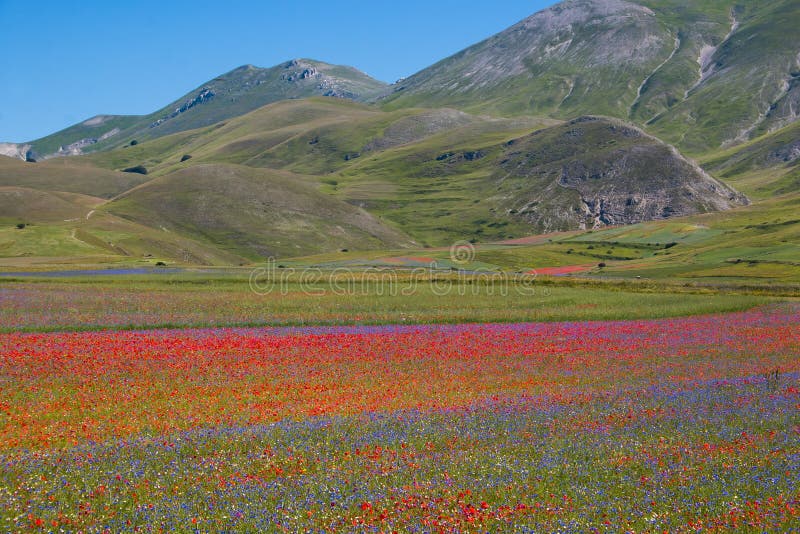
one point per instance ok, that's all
(759, 245)
(437, 196)
(73, 175)
(180, 300)
(324, 136)
(763, 168)
(253, 213)
(410, 168)
(37, 241)
(101, 239)
(24, 205)
(760, 242)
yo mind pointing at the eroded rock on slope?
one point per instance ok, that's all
(593, 171)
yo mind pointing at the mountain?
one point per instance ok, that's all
(701, 74)
(578, 119)
(230, 95)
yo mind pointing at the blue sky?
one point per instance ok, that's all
(63, 62)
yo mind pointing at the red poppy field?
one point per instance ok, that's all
(675, 425)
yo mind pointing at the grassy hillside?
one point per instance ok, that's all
(253, 213)
(71, 175)
(585, 173)
(748, 83)
(24, 205)
(312, 136)
(756, 245)
(322, 175)
(762, 168)
(93, 238)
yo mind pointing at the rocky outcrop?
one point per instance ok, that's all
(17, 151)
(77, 148)
(299, 70)
(788, 153)
(203, 96)
(302, 72)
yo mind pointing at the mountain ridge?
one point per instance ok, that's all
(683, 70)
(228, 95)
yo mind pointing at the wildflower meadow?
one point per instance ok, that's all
(680, 425)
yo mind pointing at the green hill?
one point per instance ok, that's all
(253, 213)
(230, 95)
(24, 205)
(71, 175)
(586, 173)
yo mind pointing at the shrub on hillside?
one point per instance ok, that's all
(139, 169)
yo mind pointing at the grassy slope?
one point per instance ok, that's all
(442, 175)
(245, 138)
(762, 168)
(72, 175)
(733, 104)
(252, 213)
(517, 186)
(99, 240)
(281, 133)
(758, 243)
(564, 62)
(324, 137)
(25, 205)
